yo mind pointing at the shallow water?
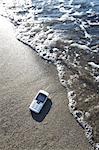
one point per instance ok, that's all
(66, 33)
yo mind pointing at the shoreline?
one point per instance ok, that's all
(23, 73)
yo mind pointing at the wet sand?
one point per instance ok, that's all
(22, 75)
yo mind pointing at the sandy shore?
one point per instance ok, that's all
(22, 75)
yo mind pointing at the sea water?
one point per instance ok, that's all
(66, 33)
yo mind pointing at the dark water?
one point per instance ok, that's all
(66, 33)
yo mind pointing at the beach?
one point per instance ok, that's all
(22, 74)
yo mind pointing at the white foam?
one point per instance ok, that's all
(61, 1)
(93, 23)
(84, 47)
(72, 102)
(92, 4)
(77, 13)
(89, 11)
(93, 65)
(77, 6)
(97, 146)
(49, 2)
(78, 115)
(62, 9)
(97, 79)
(83, 27)
(66, 17)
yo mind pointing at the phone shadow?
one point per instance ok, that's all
(45, 110)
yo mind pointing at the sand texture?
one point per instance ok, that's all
(22, 75)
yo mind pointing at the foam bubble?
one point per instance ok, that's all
(93, 65)
(66, 17)
(84, 47)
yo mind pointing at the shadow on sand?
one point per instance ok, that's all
(46, 108)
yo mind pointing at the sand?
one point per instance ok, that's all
(22, 75)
